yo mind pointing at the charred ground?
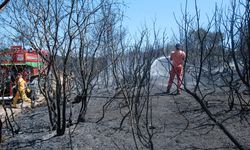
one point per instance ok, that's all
(178, 123)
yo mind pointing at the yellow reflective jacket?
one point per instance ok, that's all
(21, 84)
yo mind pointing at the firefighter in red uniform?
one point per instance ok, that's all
(177, 57)
(20, 94)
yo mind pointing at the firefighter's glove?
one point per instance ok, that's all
(28, 90)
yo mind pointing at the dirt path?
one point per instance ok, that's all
(20, 108)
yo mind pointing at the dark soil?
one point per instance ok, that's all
(178, 123)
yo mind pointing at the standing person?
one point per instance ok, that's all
(177, 57)
(20, 93)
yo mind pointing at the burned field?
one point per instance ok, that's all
(176, 122)
(102, 88)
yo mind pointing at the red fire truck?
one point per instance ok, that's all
(28, 62)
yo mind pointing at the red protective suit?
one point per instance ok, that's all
(177, 57)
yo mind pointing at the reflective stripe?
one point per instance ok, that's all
(6, 98)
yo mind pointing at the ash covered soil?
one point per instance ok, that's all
(179, 123)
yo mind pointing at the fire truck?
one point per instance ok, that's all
(29, 62)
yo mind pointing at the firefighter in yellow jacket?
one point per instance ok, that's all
(20, 94)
